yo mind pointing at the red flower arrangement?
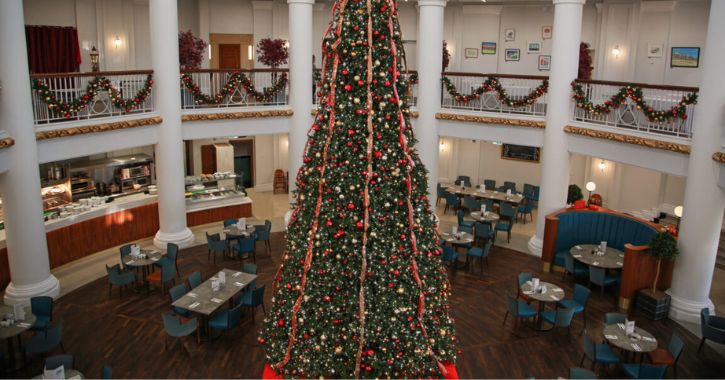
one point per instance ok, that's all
(272, 52)
(191, 50)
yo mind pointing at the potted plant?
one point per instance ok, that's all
(191, 50)
(653, 303)
(574, 194)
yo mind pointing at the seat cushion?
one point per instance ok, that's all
(631, 370)
(549, 316)
(154, 277)
(559, 258)
(661, 356)
(526, 310)
(571, 304)
(606, 355)
(475, 252)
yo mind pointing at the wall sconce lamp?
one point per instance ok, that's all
(117, 42)
(250, 52)
(616, 52)
(210, 52)
(602, 166)
(678, 214)
(591, 186)
(442, 146)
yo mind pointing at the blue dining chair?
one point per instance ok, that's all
(230, 222)
(527, 208)
(125, 250)
(263, 234)
(215, 244)
(246, 246)
(249, 268)
(440, 193)
(490, 184)
(521, 279)
(44, 343)
(161, 277)
(471, 203)
(574, 267)
(55, 361)
(464, 225)
(172, 254)
(613, 318)
(466, 180)
(597, 353)
(518, 309)
(506, 223)
(255, 299)
(194, 280)
(576, 373)
(644, 371)
(711, 327)
(119, 278)
(175, 329)
(227, 319)
(479, 254)
(670, 355)
(449, 254)
(509, 185)
(451, 201)
(578, 302)
(107, 372)
(599, 276)
(528, 190)
(482, 232)
(175, 293)
(559, 318)
(488, 202)
(42, 308)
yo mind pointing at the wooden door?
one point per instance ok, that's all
(208, 159)
(229, 56)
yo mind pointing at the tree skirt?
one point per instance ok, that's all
(270, 374)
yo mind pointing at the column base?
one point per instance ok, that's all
(536, 245)
(183, 239)
(21, 294)
(688, 311)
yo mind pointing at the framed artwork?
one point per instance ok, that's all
(509, 34)
(520, 152)
(513, 54)
(488, 48)
(685, 57)
(471, 53)
(534, 47)
(546, 32)
(655, 50)
(544, 62)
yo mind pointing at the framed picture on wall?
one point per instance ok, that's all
(471, 53)
(546, 32)
(685, 57)
(509, 34)
(655, 50)
(544, 62)
(488, 48)
(520, 152)
(534, 47)
(513, 54)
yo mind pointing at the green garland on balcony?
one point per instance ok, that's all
(100, 83)
(493, 84)
(636, 94)
(234, 81)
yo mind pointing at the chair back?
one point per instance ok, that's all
(194, 280)
(459, 216)
(488, 202)
(482, 230)
(590, 347)
(509, 185)
(113, 272)
(439, 190)
(107, 372)
(597, 275)
(249, 268)
(524, 277)
(174, 327)
(507, 210)
(125, 250)
(263, 231)
(581, 373)
(258, 296)
(177, 292)
(512, 305)
(54, 334)
(612, 318)
(564, 317)
(528, 190)
(247, 244)
(213, 238)
(489, 183)
(527, 207)
(569, 262)
(172, 251)
(55, 361)
(676, 345)
(649, 371)
(487, 248)
(466, 180)
(449, 254)
(42, 306)
(235, 315)
(581, 294)
(229, 222)
(451, 199)
(471, 203)
(168, 271)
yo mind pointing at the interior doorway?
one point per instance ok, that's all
(231, 51)
(244, 160)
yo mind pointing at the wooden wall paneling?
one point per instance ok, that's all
(551, 228)
(218, 214)
(4, 268)
(639, 271)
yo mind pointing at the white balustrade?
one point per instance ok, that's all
(516, 87)
(211, 82)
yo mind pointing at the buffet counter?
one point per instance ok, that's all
(125, 219)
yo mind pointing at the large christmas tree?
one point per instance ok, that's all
(361, 291)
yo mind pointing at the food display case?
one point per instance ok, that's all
(212, 194)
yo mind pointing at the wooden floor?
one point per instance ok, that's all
(128, 334)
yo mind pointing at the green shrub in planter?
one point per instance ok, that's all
(662, 247)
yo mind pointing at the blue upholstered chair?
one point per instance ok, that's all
(579, 302)
(119, 278)
(48, 342)
(479, 254)
(451, 201)
(246, 246)
(229, 222)
(263, 233)
(528, 190)
(174, 328)
(42, 308)
(215, 244)
(125, 250)
(599, 276)
(574, 267)
(466, 180)
(518, 309)
(449, 254)
(227, 319)
(440, 193)
(488, 202)
(194, 280)
(463, 225)
(509, 185)
(644, 371)
(482, 232)
(597, 353)
(471, 203)
(527, 208)
(559, 318)
(668, 356)
(490, 184)
(521, 279)
(255, 299)
(175, 293)
(506, 223)
(161, 277)
(106, 372)
(576, 373)
(712, 328)
(249, 268)
(172, 254)
(612, 318)
(55, 361)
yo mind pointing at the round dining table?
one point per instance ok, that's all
(546, 293)
(69, 374)
(487, 217)
(459, 239)
(145, 261)
(639, 342)
(14, 330)
(586, 253)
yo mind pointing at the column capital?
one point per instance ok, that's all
(435, 3)
(311, 2)
(579, 2)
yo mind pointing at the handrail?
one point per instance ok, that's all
(642, 85)
(90, 74)
(192, 71)
(481, 75)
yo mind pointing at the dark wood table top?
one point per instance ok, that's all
(612, 258)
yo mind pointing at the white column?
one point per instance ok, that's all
(564, 69)
(169, 150)
(20, 186)
(430, 65)
(704, 200)
(300, 75)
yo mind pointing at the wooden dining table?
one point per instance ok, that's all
(14, 330)
(495, 195)
(457, 240)
(612, 258)
(546, 293)
(639, 342)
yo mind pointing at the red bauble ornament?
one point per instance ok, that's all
(350, 206)
(348, 87)
(280, 322)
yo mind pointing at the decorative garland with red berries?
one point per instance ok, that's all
(493, 84)
(636, 94)
(236, 79)
(67, 109)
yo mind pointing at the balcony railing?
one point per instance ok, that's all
(666, 110)
(499, 93)
(81, 96)
(216, 88)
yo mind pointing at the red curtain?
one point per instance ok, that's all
(52, 49)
